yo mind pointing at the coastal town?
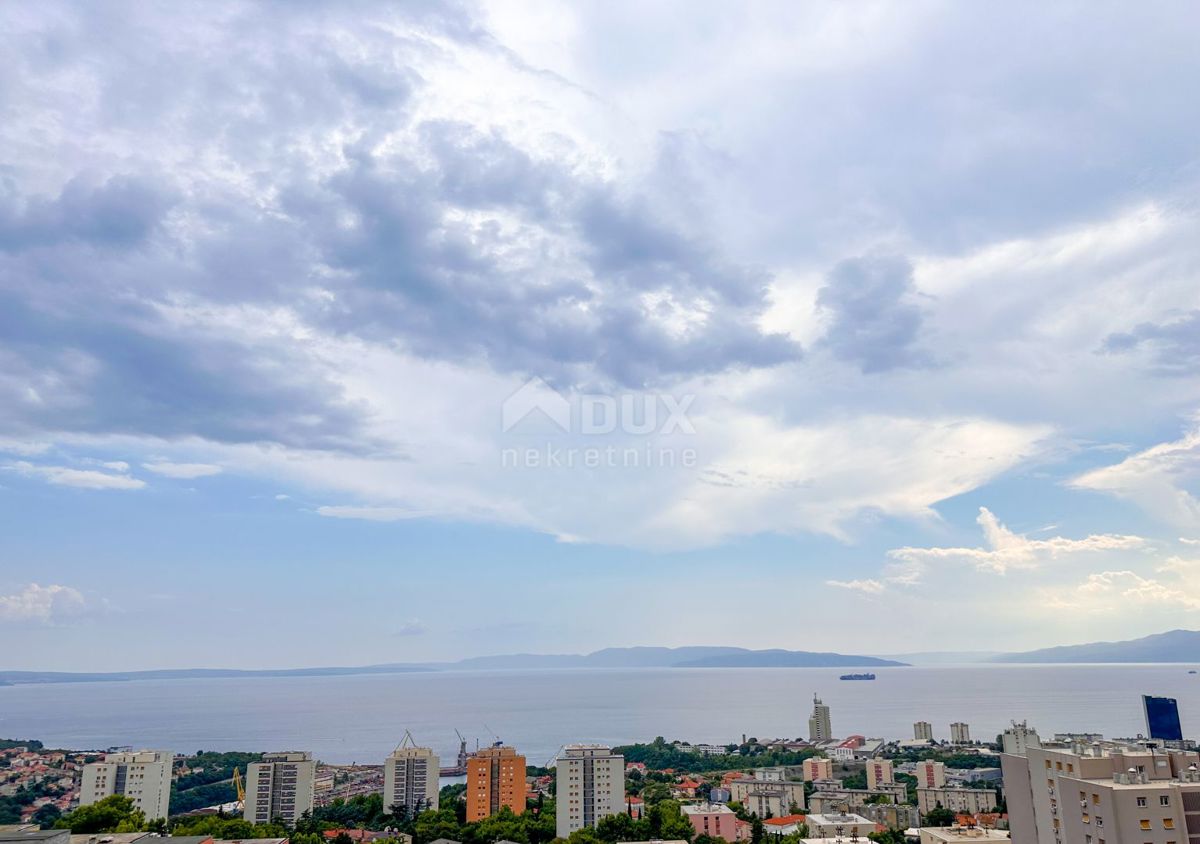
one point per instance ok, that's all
(818, 788)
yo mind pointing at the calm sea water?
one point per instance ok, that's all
(360, 719)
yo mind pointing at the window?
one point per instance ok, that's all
(1168, 823)
(1164, 800)
(1144, 823)
(1095, 799)
(1141, 801)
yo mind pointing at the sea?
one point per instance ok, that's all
(348, 719)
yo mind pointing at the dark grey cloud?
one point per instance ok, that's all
(875, 320)
(119, 212)
(251, 160)
(1173, 347)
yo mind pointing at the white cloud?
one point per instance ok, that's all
(1118, 590)
(1007, 550)
(78, 478)
(46, 604)
(371, 514)
(412, 627)
(1155, 479)
(868, 586)
(23, 448)
(183, 471)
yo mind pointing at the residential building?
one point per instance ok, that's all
(834, 798)
(712, 819)
(144, 776)
(1118, 793)
(890, 815)
(841, 825)
(410, 778)
(922, 731)
(960, 835)
(786, 825)
(879, 772)
(590, 785)
(930, 774)
(960, 733)
(817, 768)
(1018, 738)
(966, 800)
(773, 798)
(820, 728)
(495, 778)
(280, 786)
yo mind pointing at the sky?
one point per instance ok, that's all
(336, 334)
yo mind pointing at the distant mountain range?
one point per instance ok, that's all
(1172, 646)
(688, 657)
(1177, 646)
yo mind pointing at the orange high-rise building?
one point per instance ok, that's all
(495, 778)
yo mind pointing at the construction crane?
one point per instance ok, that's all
(239, 788)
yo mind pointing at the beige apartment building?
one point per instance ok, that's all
(817, 768)
(589, 785)
(922, 731)
(144, 776)
(410, 778)
(930, 774)
(768, 798)
(280, 786)
(960, 835)
(1104, 793)
(879, 772)
(963, 800)
(960, 733)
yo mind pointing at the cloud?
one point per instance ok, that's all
(868, 586)
(371, 514)
(43, 604)
(1174, 347)
(1156, 479)
(1006, 550)
(79, 478)
(1124, 589)
(874, 318)
(184, 471)
(412, 627)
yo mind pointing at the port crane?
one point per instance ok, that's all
(240, 789)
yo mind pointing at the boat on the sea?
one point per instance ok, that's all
(867, 676)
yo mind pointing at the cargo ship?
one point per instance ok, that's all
(857, 677)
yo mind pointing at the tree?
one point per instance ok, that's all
(112, 814)
(46, 816)
(888, 836)
(939, 816)
(756, 830)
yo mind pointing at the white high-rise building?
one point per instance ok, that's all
(280, 786)
(960, 733)
(1019, 738)
(141, 775)
(819, 726)
(410, 778)
(590, 785)
(1111, 792)
(923, 731)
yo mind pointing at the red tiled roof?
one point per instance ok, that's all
(785, 820)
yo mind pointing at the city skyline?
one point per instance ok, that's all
(534, 327)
